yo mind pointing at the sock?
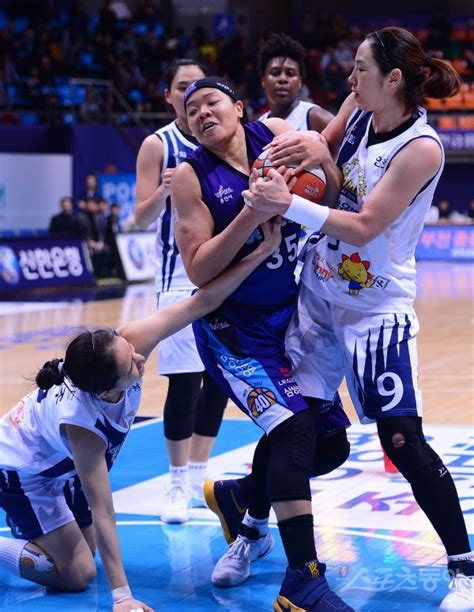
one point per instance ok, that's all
(260, 524)
(10, 553)
(468, 556)
(197, 471)
(298, 540)
(179, 474)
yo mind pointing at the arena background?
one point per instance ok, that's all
(81, 85)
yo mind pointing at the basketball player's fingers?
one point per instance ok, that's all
(279, 140)
(253, 176)
(298, 168)
(288, 155)
(287, 173)
(248, 197)
(292, 183)
(276, 176)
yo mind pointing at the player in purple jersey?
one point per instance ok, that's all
(58, 443)
(242, 342)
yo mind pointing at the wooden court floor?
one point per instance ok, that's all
(33, 332)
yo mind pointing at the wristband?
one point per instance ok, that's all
(307, 213)
(121, 594)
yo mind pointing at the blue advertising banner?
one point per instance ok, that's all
(457, 140)
(29, 263)
(119, 189)
(446, 242)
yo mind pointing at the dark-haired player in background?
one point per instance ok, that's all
(194, 404)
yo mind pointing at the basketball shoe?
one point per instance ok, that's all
(224, 498)
(178, 500)
(307, 590)
(197, 493)
(233, 567)
(461, 588)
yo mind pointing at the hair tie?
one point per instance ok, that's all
(427, 63)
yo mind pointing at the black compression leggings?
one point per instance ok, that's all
(191, 407)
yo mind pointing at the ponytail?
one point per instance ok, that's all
(441, 81)
(50, 374)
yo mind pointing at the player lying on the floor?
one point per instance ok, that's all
(58, 443)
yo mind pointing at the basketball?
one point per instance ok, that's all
(310, 183)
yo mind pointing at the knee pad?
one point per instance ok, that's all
(403, 440)
(33, 558)
(180, 405)
(330, 452)
(291, 458)
(210, 408)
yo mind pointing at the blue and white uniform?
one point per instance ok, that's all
(299, 116)
(242, 342)
(39, 487)
(355, 310)
(176, 354)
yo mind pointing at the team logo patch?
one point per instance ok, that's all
(356, 271)
(259, 400)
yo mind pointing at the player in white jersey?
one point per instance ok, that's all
(192, 413)
(282, 71)
(355, 314)
(58, 443)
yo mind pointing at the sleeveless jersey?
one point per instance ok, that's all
(31, 440)
(299, 116)
(170, 272)
(381, 276)
(272, 283)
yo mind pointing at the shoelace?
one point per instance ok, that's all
(460, 583)
(239, 548)
(176, 492)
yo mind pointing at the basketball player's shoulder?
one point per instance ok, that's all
(277, 125)
(152, 146)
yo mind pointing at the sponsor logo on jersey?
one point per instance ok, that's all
(380, 162)
(259, 400)
(219, 325)
(224, 194)
(322, 268)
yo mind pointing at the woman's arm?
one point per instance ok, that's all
(89, 460)
(151, 188)
(319, 118)
(304, 147)
(335, 130)
(146, 333)
(205, 255)
(409, 171)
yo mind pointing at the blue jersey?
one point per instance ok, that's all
(272, 283)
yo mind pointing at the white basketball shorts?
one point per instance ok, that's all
(178, 353)
(375, 352)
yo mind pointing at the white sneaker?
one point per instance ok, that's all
(178, 499)
(197, 494)
(233, 567)
(460, 596)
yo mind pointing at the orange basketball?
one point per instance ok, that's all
(310, 183)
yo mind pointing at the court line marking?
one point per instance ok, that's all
(321, 528)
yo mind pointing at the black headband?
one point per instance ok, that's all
(213, 83)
